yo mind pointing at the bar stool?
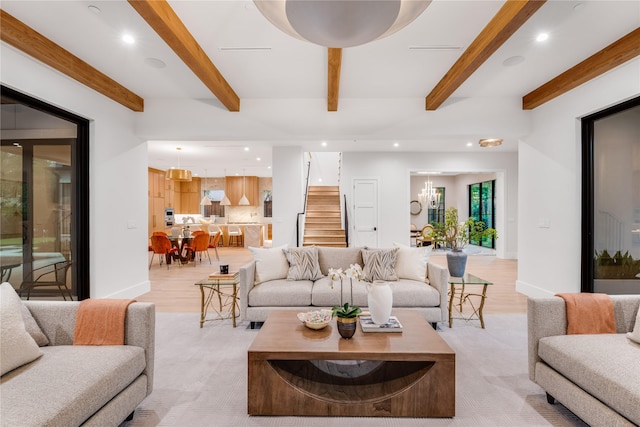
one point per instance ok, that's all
(213, 230)
(235, 236)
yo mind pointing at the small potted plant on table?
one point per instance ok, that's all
(346, 318)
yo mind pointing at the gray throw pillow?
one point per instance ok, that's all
(303, 263)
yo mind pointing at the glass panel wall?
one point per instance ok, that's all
(38, 200)
(482, 208)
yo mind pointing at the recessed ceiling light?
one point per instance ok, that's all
(128, 39)
(258, 158)
(542, 37)
(268, 167)
(490, 142)
(94, 9)
(246, 148)
(155, 63)
(319, 179)
(513, 60)
(395, 144)
(469, 144)
(324, 143)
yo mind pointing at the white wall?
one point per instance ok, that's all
(395, 193)
(118, 174)
(324, 168)
(288, 193)
(549, 164)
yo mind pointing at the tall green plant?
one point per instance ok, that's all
(456, 234)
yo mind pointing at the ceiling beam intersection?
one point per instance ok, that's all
(617, 53)
(509, 18)
(163, 19)
(19, 35)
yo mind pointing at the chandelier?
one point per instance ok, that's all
(178, 174)
(341, 23)
(428, 196)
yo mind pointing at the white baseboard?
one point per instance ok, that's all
(532, 291)
(132, 291)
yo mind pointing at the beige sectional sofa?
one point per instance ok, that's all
(597, 377)
(420, 285)
(80, 385)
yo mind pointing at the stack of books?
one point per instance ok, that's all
(392, 325)
(230, 278)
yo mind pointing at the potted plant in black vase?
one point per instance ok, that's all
(457, 235)
(346, 318)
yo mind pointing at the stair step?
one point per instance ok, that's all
(332, 245)
(325, 239)
(330, 226)
(323, 232)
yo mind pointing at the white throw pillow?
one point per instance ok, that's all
(635, 335)
(16, 345)
(411, 263)
(271, 263)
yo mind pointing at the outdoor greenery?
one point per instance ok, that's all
(617, 267)
(457, 235)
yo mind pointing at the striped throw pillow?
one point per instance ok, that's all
(379, 264)
(303, 263)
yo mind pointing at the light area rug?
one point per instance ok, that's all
(201, 379)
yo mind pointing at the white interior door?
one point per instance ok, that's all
(365, 208)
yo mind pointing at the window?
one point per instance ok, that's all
(482, 208)
(437, 214)
(611, 200)
(215, 208)
(267, 204)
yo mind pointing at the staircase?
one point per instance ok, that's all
(322, 224)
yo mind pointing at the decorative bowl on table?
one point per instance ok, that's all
(316, 319)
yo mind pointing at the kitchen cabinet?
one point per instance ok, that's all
(233, 189)
(190, 196)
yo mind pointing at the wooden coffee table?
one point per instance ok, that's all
(294, 370)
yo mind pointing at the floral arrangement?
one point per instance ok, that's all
(456, 234)
(353, 272)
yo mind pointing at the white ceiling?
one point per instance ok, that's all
(283, 90)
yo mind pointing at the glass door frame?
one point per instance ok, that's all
(80, 188)
(588, 189)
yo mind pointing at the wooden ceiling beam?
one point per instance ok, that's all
(333, 86)
(21, 36)
(617, 53)
(509, 18)
(163, 19)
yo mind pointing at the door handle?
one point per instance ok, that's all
(375, 228)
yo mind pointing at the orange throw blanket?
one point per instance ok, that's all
(101, 322)
(589, 313)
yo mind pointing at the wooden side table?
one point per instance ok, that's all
(217, 285)
(457, 291)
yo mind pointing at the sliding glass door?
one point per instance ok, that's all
(42, 203)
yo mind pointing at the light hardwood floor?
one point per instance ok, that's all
(173, 289)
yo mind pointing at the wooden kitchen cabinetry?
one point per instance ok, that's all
(156, 200)
(233, 189)
(190, 197)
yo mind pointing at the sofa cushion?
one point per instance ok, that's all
(271, 263)
(32, 327)
(635, 334)
(322, 295)
(281, 293)
(379, 264)
(411, 263)
(338, 258)
(604, 365)
(67, 395)
(414, 293)
(16, 345)
(303, 263)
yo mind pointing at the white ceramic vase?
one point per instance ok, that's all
(380, 301)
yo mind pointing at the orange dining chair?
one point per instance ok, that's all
(199, 244)
(161, 245)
